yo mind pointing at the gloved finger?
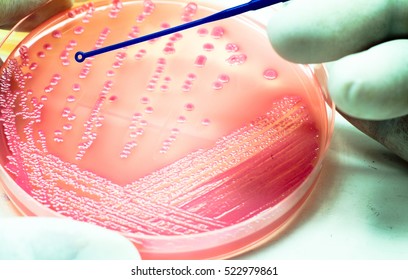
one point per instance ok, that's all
(60, 239)
(13, 11)
(315, 31)
(372, 84)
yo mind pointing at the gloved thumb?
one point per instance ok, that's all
(34, 238)
(11, 12)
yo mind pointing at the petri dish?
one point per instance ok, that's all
(198, 145)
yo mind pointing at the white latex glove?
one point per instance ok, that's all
(30, 238)
(51, 238)
(366, 42)
(11, 11)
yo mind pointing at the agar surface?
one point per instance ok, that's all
(184, 134)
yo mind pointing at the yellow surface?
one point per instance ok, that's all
(9, 43)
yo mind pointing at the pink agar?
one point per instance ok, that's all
(188, 163)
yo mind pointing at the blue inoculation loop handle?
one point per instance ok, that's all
(230, 12)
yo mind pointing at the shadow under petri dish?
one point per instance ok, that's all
(199, 144)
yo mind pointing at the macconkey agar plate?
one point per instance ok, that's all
(196, 145)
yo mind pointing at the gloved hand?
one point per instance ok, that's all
(13, 11)
(33, 238)
(53, 238)
(366, 43)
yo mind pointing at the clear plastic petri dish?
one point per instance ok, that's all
(198, 145)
